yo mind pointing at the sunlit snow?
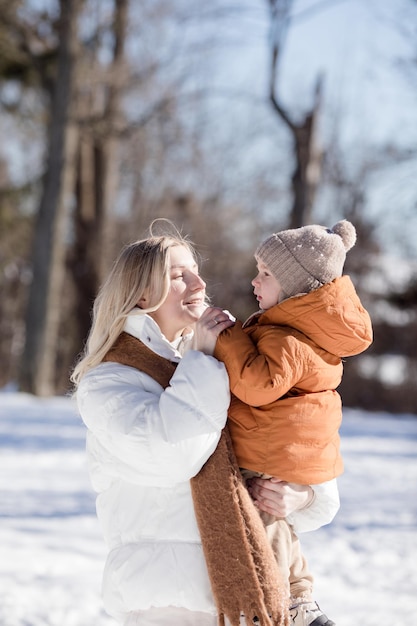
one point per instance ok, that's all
(52, 553)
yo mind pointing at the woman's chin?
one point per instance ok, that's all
(196, 311)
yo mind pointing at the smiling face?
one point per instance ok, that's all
(267, 289)
(185, 301)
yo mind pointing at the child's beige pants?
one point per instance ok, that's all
(287, 550)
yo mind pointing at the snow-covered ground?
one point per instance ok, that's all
(52, 554)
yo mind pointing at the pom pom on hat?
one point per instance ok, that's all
(304, 259)
(346, 232)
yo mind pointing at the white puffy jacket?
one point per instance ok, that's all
(144, 444)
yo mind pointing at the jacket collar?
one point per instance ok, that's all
(143, 327)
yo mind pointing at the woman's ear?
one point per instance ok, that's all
(143, 302)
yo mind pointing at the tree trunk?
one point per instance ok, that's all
(108, 149)
(308, 157)
(97, 183)
(307, 172)
(42, 320)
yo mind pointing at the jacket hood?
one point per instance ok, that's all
(332, 316)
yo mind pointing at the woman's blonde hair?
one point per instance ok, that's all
(141, 270)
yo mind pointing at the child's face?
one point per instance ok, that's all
(266, 287)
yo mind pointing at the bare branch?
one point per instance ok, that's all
(280, 20)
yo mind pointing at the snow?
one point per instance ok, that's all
(52, 553)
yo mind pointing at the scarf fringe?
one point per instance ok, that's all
(263, 619)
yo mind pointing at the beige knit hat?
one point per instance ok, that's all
(304, 259)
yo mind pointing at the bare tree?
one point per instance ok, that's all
(308, 157)
(101, 127)
(42, 318)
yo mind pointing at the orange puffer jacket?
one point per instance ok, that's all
(284, 365)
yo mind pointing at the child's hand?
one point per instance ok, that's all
(278, 497)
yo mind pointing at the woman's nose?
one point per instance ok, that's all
(198, 282)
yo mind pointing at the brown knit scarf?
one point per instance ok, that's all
(243, 571)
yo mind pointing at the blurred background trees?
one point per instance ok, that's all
(225, 118)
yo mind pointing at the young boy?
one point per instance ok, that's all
(284, 365)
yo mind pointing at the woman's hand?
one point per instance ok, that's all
(278, 497)
(209, 327)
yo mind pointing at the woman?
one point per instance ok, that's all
(152, 428)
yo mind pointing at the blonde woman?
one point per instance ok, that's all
(155, 402)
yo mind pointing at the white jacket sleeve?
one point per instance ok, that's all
(321, 511)
(147, 435)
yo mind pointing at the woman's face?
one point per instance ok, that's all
(186, 297)
(266, 287)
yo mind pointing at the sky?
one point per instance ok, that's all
(52, 553)
(366, 51)
(361, 47)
